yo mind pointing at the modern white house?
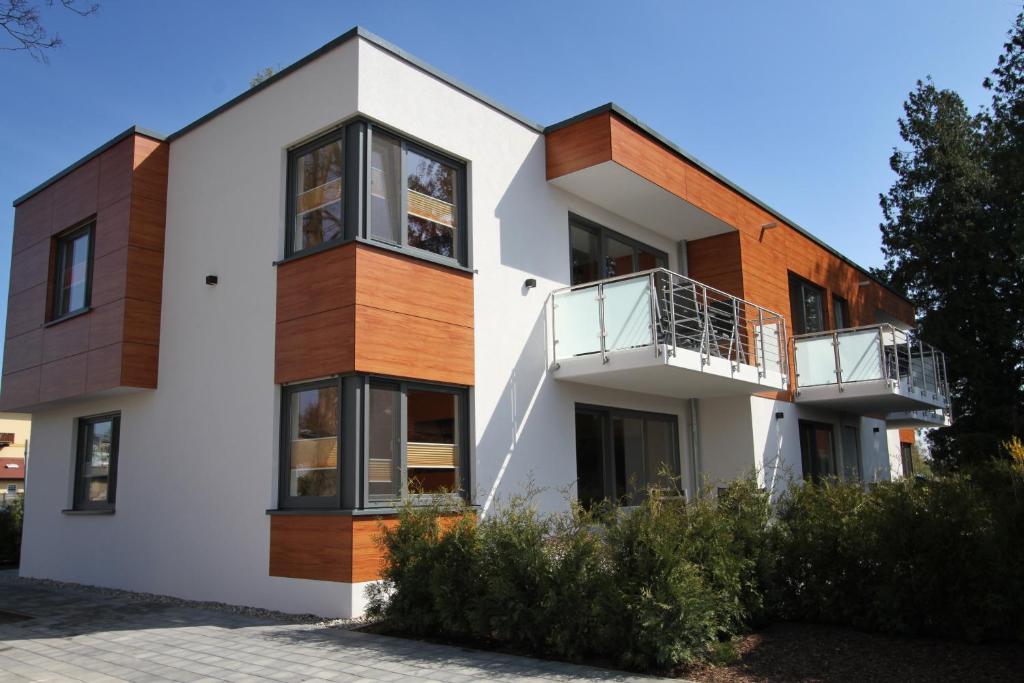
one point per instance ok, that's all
(243, 343)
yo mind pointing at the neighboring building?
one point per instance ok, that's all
(241, 344)
(15, 430)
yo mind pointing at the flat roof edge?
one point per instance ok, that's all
(133, 130)
(359, 32)
(686, 156)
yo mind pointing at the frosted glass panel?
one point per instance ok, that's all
(627, 313)
(815, 361)
(577, 323)
(860, 356)
(767, 336)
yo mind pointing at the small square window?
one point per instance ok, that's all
(72, 276)
(96, 466)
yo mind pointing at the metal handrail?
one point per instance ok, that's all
(688, 314)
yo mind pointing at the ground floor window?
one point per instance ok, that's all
(907, 458)
(96, 462)
(360, 441)
(851, 454)
(817, 450)
(622, 454)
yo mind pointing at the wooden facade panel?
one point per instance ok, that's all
(317, 547)
(583, 144)
(647, 158)
(411, 286)
(367, 554)
(400, 345)
(908, 436)
(316, 283)
(716, 261)
(315, 346)
(125, 190)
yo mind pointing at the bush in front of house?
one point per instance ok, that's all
(938, 557)
(10, 530)
(650, 588)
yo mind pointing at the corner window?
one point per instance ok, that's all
(354, 442)
(310, 462)
(807, 304)
(316, 175)
(416, 198)
(597, 253)
(72, 281)
(96, 462)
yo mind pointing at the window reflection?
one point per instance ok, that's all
(432, 217)
(432, 450)
(313, 461)
(318, 211)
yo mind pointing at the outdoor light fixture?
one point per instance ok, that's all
(530, 283)
(864, 283)
(211, 279)
(874, 429)
(769, 226)
(779, 415)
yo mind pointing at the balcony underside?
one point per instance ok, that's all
(681, 375)
(870, 397)
(917, 419)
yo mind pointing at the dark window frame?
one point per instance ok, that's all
(87, 228)
(907, 459)
(80, 499)
(285, 499)
(811, 473)
(462, 436)
(356, 135)
(608, 455)
(603, 233)
(842, 307)
(799, 322)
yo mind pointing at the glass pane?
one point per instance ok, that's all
(432, 454)
(577, 322)
(313, 461)
(99, 445)
(318, 216)
(584, 247)
(659, 456)
(851, 454)
(590, 449)
(814, 320)
(823, 452)
(618, 259)
(860, 356)
(628, 445)
(627, 313)
(385, 188)
(385, 442)
(432, 200)
(838, 312)
(647, 260)
(73, 257)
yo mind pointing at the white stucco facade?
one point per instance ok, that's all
(197, 468)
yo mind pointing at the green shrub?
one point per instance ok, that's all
(10, 530)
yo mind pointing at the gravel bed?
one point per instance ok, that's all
(311, 620)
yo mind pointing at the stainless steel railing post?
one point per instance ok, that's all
(600, 317)
(760, 337)
(705, 358)
(839, 363)
(652, 294)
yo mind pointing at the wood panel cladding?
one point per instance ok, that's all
(908, 436)
(123, 189)
(752, 262)
(330, 547)
(359, 308)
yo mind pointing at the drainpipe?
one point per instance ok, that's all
(682, 258)
(696, 469)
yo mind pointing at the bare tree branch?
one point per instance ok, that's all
(23, 26)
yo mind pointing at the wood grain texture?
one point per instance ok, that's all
(582, 144)
(114, 344)
(908, 436)
(357, 308)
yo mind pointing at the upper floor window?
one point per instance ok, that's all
(840, 313)
(96, 462)
(317, 174)
(72, 280)
(597, 253)
(414, 199)
(807, 303)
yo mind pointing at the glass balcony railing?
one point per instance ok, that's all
(670, 313)
(874, 353)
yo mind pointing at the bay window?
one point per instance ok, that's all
(413, 441)
(415, 198)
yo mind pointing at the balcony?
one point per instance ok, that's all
(658, 332)
(876, 370)
(919, 419)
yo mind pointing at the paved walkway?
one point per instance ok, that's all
(83, 635)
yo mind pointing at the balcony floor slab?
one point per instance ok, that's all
(682, 375)
(870, 397)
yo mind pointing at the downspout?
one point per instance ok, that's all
(682, 258)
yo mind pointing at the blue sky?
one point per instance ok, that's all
(795, 101)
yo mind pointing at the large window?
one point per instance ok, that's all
(623, 454)
(96, 462)
(597, 253)
(364, 182)
(817, 450)
(807, 304)
(72, 279)
(358, 441)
